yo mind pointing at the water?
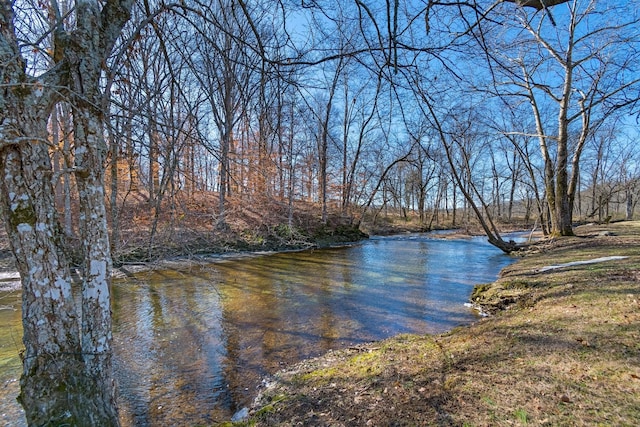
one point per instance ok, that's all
(192, 346)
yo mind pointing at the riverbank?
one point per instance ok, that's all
(216, 332)
(197, 249)
(562, 348)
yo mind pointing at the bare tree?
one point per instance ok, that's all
(224, 68)
(577, 68)
(67, 372)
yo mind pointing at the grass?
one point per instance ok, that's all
(562, 349)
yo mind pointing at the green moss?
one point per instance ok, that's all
(270, 407)
(478, 290)
(23, 214)
(365, 364)
(318, 375)
(521, 415)
(516, 284)
(360, 366)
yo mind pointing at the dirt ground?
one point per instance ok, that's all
(563, 348)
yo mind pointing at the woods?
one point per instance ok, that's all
(452, 112)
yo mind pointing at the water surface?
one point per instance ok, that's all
(192, 345)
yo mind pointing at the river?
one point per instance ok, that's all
(192, 345)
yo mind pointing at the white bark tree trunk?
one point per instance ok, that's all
(96, 334)
(67, 367)
(52, 365)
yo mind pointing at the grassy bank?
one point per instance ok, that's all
(563, 348)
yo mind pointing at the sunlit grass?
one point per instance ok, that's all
(564, 352)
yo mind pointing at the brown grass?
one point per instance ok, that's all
(564, 349)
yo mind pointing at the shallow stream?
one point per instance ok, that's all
(192, 345)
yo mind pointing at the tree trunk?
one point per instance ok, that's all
(66, 377)
(346, 122)
(114, 149)
(225, 143)
(154, 169)
(96, 301)
(53, 382)
(90, 152)
(66, 131)
(561, 204)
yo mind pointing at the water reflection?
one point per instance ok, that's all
(193, 345)
(170, 349)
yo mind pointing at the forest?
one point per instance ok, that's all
(417, 109)
(131, 130)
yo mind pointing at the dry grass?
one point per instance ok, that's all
(563, 350)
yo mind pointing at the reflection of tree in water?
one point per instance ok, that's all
(196, 345)
(261, 321)
(173, 355)
(133, 347)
